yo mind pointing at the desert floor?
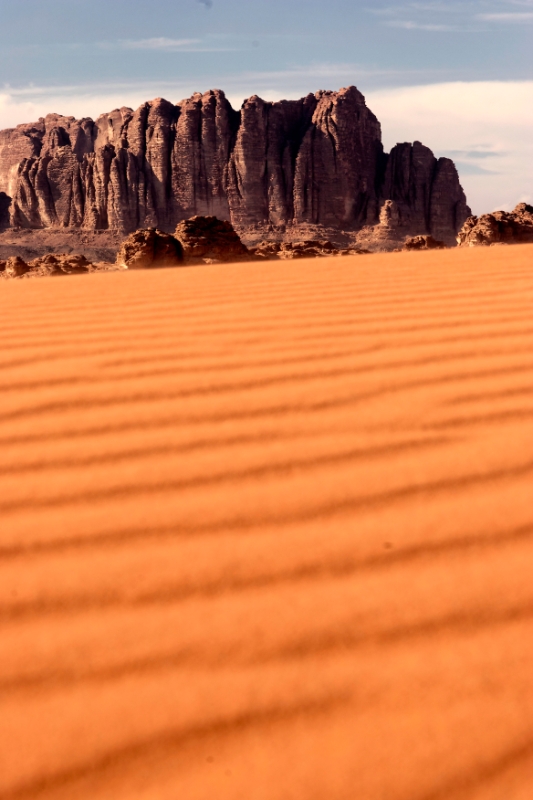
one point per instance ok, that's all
(267, 531)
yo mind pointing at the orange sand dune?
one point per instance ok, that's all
(267, 531)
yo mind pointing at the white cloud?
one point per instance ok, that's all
(160, 43)
(512, 16)
(420, 26)
(467, 121)
(164, 45)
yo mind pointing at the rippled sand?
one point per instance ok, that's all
(267, 531)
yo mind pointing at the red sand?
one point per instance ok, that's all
(267, 531)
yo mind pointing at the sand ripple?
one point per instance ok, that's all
(267, 531)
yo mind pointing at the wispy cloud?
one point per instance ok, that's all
(206, 3)
(475, 154)
(490, 142)
(159, 43)
(409, 25)
(466, 16)
(163, 44)
(511, 16)
(467, 168)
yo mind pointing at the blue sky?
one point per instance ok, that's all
(86, 58)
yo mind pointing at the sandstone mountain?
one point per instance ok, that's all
(271, 166)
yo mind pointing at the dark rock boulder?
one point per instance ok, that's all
(208, 239)
(423, 243)
(14, 267)
(501, 227)
(147, 249)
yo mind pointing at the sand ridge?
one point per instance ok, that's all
(266, 531)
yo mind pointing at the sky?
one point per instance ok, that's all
(457, 76)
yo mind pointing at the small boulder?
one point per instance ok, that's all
(15, 267)
(210, 240)
(148, 249)
(423, 243)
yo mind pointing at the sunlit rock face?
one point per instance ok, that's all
(318, 160)
(500, 227)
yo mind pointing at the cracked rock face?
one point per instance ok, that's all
(208, 238)
(146, 249)
(501, 227)
(314, 161)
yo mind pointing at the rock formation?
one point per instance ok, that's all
(199, 240)
(145, 249)
(500, 227)
(423, 243)
(208, 239)
(14, 267)
(389, 233)
(48, 265)
(307, 249)
(314, 161)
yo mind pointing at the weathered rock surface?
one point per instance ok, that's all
(390, 232)
(208, 239)
(68, 264)
(51, 264)
(307, 249)
(501, 227)
(146, 249)
(423, 243)
(315, 161)
(14, 267)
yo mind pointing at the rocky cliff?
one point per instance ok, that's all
(318, 161)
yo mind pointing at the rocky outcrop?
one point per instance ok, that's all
(208, 240)
(390, 232)
(315, 161)
(71, 264)
(307, 249)
(501, 227)
(48, 265)
(146, 249)
(423, 243)
(427, 194)
(14, 267)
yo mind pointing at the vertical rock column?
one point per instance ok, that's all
(338, 161)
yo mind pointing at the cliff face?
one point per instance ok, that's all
(318, 160)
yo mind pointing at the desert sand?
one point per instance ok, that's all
(267, 531)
